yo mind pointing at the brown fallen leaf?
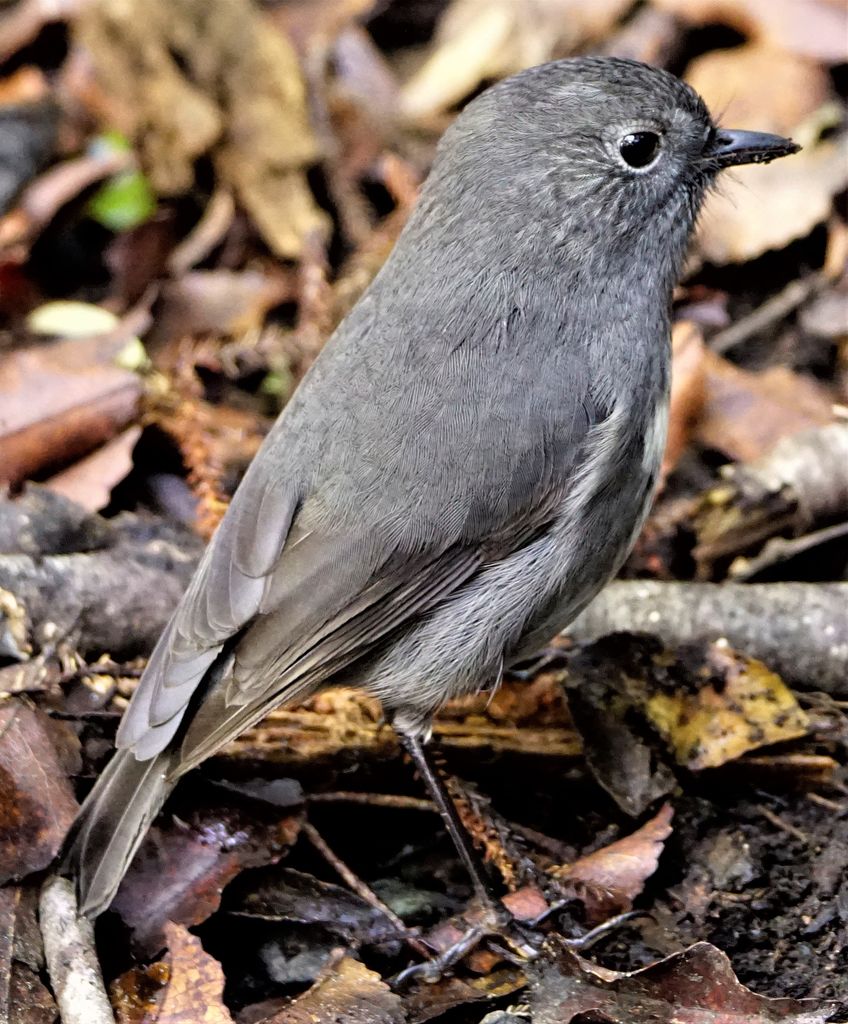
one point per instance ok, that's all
(741, 707)
(613, 876)
(429, 1002)
(696, 986)
(37, 804)
(89, 482)
(812, 28)
(219, 302)
(182, 867)
(628, 765)
(191, 80)
(136, 994)
(479, 40)
(687, 390)
(285, 895)
(23, 998)
(745, 412)
(195, 988)
(760, 88)
(347, 992)
(762, 208)
(60, 401)
(21, 23)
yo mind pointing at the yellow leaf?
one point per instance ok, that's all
(750, 707)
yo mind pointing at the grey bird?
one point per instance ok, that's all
(471, 456)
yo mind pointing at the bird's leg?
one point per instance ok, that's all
(493, 918)
(429, 773)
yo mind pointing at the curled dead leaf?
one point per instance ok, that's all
(813, 28)
(480, 39)
(37, 805)
(613, 876)
(759, 88)
(195, 984)
(746, 413)
(762, 208)
(347, 991)
(695, 986)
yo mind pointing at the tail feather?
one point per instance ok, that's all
(112, 823)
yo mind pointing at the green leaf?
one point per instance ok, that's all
(123, 202)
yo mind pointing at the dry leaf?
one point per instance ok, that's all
(136, 994)
(182, 868)
(37, 804)
(283, 894)
(193, 79)
(766, 207)
(488, 39)
(745, 413)
(744, 707)
(615, 875)
(813, 28)
(620, 756)
(23, 998)
(697, 986)
(218, 302)
(195, 988)
(759, 88)
(89, 482)
(687, 390)
(348, 993)
(60, 401)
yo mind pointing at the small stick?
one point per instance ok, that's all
(393, 800)
(830, 805)
(355, 883)
(770, 312)
(783, 825)
(71, 957)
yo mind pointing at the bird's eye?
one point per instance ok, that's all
(638, 149)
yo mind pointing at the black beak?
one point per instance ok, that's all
(730, 147)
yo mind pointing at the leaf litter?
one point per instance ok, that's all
(269, 155)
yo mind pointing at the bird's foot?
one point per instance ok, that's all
(515, 941)
(486, 923)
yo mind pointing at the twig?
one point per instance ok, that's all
(781, 549)
(830, 805)
(206, 234)
(355, 884)
(770, 312)
(784, 826)
(71, 957)
(393, 800)
(798, 629)
(800, 483)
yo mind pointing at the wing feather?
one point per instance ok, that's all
(223, 597)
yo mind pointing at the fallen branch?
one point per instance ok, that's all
(71, 958)
(801, 482)
(115, 598)
(800, 630)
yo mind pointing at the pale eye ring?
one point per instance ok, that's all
(639, 149)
